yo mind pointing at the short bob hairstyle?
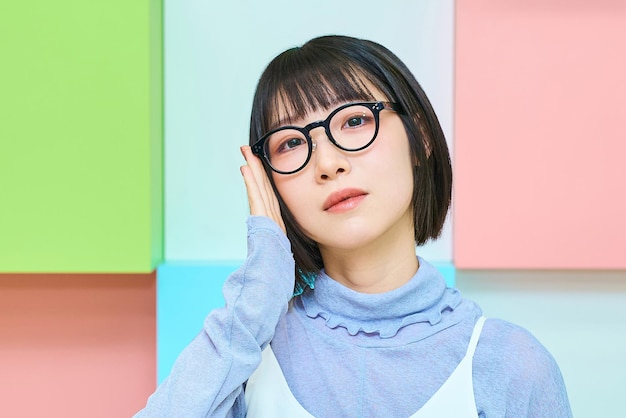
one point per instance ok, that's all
(333, 69)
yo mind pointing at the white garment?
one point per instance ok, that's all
(268, 395)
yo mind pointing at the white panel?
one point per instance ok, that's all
(215, 53)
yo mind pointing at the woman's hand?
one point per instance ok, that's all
(261, 196)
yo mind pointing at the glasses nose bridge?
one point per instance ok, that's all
(318, 124)
(315, 125)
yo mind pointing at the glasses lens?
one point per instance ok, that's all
(287, 150)
(353, 127)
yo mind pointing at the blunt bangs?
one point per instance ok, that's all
(306, 79)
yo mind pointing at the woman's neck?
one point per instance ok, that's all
(379, 267)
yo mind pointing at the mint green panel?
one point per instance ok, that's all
(81, 136)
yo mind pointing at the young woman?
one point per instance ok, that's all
(333, 314)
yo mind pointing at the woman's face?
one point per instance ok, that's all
(348, 201)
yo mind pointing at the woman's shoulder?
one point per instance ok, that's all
(502, 333)
(514, 372)
(511, 346)
(512, 356)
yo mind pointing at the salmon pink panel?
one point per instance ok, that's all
(76, 345)
(540, 129)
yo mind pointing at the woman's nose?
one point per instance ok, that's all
(329, 161)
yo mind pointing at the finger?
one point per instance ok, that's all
(264, 186)
(254, 196)
(258, 174)
(261, 196)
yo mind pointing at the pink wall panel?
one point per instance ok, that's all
(76, 345)
(540, 134)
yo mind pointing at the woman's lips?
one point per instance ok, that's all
(344, 200)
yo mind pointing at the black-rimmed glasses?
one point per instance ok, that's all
(350, 127)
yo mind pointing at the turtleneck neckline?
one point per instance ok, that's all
(422, 299)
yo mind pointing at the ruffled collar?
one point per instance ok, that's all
(423, 299)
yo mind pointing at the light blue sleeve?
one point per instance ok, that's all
(207, 378)
(516, 376)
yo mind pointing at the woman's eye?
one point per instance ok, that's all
(290, 144)
(356, 121)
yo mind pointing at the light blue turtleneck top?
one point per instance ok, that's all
(349, 354)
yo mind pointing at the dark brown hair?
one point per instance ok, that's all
(332, 69)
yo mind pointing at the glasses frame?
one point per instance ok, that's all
(258, 148)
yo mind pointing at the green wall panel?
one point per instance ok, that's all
(81, 186)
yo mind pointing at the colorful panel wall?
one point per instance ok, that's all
(529, 96)
(81, 211)
(539, 129)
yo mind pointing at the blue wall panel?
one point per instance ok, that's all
(186, 293)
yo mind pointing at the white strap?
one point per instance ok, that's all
(475, 336)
